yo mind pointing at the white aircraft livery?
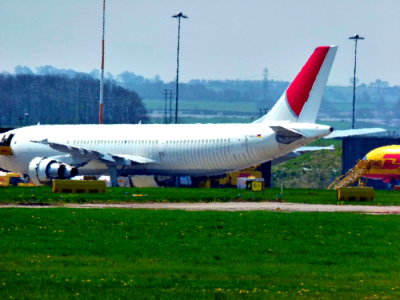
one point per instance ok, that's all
(46, 152)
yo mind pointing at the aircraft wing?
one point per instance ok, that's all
(351, 132)
(306, 149)
(80, 156)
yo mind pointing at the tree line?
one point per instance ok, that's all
(55, 90)
(65, 99)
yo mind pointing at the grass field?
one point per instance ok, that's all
(44, 196)
(62, 253)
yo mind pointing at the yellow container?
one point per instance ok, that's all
(256, 185)
(356, 194)
(78, 186)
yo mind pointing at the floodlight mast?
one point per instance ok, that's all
(178, 16)
(355, 37)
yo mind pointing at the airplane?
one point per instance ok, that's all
(383, 164)
(46, 152)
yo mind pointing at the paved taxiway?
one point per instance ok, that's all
(238, 206)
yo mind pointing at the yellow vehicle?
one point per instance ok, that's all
(78, 186)
(13, 179)
(230, 179)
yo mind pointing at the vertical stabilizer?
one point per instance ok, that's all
(302, 99)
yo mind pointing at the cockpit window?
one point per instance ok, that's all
(6, 139)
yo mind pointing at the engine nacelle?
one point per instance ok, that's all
(43, 170)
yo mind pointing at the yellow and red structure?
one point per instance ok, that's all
(381, 163)
(384, 164)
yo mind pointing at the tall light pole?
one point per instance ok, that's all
(355, 37)
(178, 16)
(101, 101)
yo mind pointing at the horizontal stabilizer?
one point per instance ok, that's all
(299, 130)
(285, 135)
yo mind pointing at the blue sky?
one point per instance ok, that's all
(220, 40)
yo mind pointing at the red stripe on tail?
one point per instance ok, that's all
(299, 91)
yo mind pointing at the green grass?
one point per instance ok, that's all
(311, 170)
(44, 196)
(64, 253)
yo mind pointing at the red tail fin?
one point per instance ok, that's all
(299, 90)
(302, 99)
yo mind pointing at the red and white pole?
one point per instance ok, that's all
(101, 103)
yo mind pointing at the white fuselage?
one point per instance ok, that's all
(182, 149)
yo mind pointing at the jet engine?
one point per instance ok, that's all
(43, 170)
